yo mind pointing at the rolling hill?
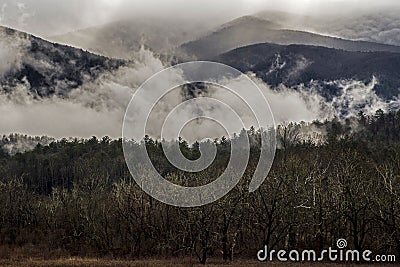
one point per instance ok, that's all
(252, 30)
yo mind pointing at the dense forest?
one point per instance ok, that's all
(77, 196)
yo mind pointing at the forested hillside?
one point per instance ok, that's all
(299, 65)
(76, 197)
(47, 68)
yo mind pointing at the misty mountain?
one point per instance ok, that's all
(119, 39)
(296, 65)
(250, 30)
(380, 26)
(47, 68)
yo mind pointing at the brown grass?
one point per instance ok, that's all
(35, 256)
(72, 262)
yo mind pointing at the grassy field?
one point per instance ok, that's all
(72, 262)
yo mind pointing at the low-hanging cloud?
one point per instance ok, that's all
(97, 107)
(12, 50)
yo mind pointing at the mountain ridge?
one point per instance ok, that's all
(252, 30)
(50, 68)
(294, 65)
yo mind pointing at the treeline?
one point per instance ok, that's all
(16, 143)
(78, 196)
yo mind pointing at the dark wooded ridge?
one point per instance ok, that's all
(79, 196)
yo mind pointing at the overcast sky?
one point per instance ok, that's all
(51, 17)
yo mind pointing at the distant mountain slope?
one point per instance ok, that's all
(121, 38)
(294, 65)
(381, 26)
(251, 30)
(49, 68)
